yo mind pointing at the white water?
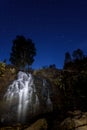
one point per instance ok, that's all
(21, 92)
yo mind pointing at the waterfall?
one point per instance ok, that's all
(23, 94)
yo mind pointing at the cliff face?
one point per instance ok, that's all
(66, 90)
(43, 96)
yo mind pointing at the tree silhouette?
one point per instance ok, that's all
(67, 61)
(78, 54)
(78, 61)
(67, 58)
(23, 52)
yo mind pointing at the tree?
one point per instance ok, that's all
(52, 66)
(67, 61)
(78, 54)
(23, 52)
(67, 58)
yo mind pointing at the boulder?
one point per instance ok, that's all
(77, 120)
(40, 124)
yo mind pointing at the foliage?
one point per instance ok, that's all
(2, 68)
(52, 66)
(23, 52)
(75, 91)
(77, 62)
(58, 81)
(67, 58)
(78, 54)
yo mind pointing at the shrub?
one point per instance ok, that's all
(2, 68)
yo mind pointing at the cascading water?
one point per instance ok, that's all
(23, 94)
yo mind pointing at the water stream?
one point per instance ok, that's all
(23, 93)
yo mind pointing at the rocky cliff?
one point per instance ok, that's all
(61, 89)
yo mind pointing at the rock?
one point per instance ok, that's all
(40, 124)
(76, 114)
(77, 122)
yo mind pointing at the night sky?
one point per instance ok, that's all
(55, 26)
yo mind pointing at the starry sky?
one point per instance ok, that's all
(55, 26)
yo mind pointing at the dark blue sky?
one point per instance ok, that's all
(55, 26)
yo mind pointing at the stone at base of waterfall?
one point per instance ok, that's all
(77, 121)
(38, 125)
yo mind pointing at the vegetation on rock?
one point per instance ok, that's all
(2, 68)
